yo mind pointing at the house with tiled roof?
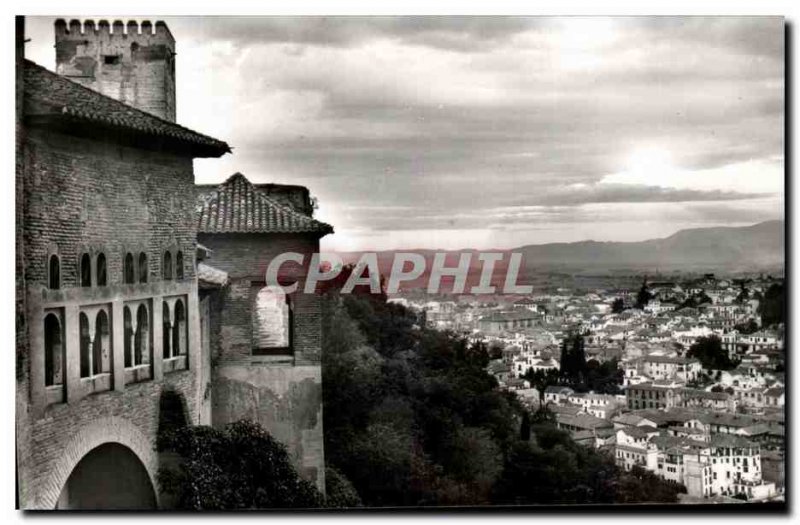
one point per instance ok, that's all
(262, 337)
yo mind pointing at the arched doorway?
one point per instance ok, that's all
(109, 476)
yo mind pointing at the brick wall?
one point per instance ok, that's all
(284, 395)
(85, 195)
(245, 258)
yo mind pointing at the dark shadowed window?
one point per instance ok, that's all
(86, 270)
(128, 269)
(166, 332)
(102, 277)
(179, 330)
(167, 266)
(53, 351)
(85, 342)
(54, 273)
(142, 267)
(101, 347)
(142, 344)
(128, 323)
(179, 265)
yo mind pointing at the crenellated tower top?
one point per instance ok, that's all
(132, 62)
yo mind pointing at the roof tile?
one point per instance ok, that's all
(56, 95)
(236, 206)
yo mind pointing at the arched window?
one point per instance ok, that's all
(179, 265)
(128, 323)
(142, 343)
(166, 267)
(271, 321)
(166, 332)
(101, 348)
(86, 270)
(179, 330)
(53, 351)
(142, 267)
(85, 344)
(128, 277)
(54, 273)
(102, 273)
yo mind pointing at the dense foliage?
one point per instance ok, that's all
(772, 306)
(709, 351)
(412, 418)
(238, 467)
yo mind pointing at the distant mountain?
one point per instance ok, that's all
(723, 249)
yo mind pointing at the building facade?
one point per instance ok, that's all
(112, 338)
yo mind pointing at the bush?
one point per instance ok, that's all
(239, 467)
(339, 492)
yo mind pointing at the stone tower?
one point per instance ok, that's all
(129, 62)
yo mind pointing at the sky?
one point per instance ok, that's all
(490, 132)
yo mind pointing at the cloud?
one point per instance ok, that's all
(436, 123)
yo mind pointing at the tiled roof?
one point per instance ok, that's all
(236, 206)
(49, 94)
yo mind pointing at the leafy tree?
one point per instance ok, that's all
(618, 305)
(416, 419)
(544, 415)
(525, 427)
(339, 492)
(751, 326)
(573, 360)
(643, 296)
(239, 467)
(743, 296)
(709, 351)
(541, 379)
(772, 306)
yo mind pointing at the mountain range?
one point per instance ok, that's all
(759, 247)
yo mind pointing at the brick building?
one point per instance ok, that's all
(109, 324)
(265, 345)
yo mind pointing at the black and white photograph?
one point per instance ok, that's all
(348, 263)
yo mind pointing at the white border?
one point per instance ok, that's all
(788, 8)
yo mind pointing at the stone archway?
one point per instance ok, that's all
(100, 432)
(109, 477)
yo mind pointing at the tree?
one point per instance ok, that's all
(709, 351)
(339, 492)
(743, 296)
(618, 305)
(541, 379)
(643, 296)
(525, 427)
(423, 423)
(573, 360)
(771, 307)
(751, 326)
(239, 467)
